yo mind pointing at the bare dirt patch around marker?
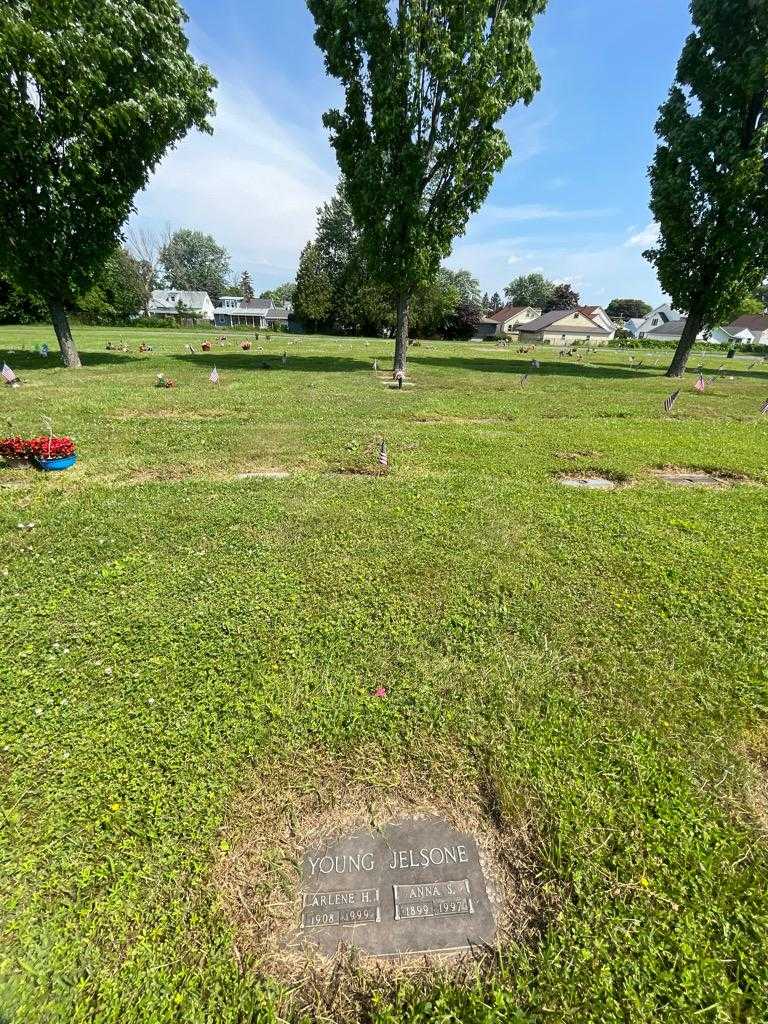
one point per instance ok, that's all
(679, 476)
(592, 480)
(274, 822)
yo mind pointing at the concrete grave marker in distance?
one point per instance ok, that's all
(414, 887)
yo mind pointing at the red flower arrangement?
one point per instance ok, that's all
(245, 345)
(37, 447)
(50, 447)
(206, 346)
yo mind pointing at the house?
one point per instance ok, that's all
(671, 331)
(740, 330)
(564, 327)
(506, 321)
(601, 318)
(235, 311)
(664, 314)
(171, 301)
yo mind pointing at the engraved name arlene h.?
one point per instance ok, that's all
(343, 863)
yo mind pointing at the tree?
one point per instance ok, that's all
(627, 309)
(283, 293)
(496, 302)
(749, 306)
(709, 179)
(563, 297)
(464, 321)
(195, 262)
(530, 290)
(312, 299)
(18, 308)
(118, 293)
(145, 247)
(92, 96)
(426, 83)
(434, 303)
(466, 285)
(245, 287)
(486, 304)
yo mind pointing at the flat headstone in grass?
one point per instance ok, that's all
(681, 477)
(414, 887)
(264, 474)
(589, 483)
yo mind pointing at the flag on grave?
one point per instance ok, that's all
(375, 365)
(524, 378)
(7, 374)
(44, 351)
(669, 403)
(383, 457)
(764, 408)
(214, 376)
(535, 364)
(701, 384)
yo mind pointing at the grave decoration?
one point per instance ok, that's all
(206, 346)
(161, 381)
(246, 346)
(48, 453)
(411, 888)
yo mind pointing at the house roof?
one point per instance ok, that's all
(506, 313)
(278, 313)
(169, 298)
(549, 319)
(673, 329)
(756, 323)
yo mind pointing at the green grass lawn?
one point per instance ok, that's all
(174, 637)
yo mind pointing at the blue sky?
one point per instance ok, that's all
(572, 201)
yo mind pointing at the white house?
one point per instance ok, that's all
(599, 316)
(671, 331)
(564, 327)
(750, 330)
(235, 311)
(641, 327)
(171, 301)
(506, 321)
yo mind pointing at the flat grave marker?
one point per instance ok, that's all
(414, 887)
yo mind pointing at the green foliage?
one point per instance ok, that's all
(562, 297)
(92, 96)
(496, 302)
(749, 306)
(434, 303)
(709, 180)
(530, 290)
(283, 293)
(595, 663)
(313, 298)
(627, 309)
(418, 140)
(245, 286)
(119, 293)
(16, 307)
(194, 261)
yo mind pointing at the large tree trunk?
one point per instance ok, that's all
(401, 340)
(64, 335)
(693, 325)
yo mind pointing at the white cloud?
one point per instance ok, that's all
(537, 212)
(643, 239)
(255, 186)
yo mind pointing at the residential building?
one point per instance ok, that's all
(601, 318)
(664, 314)
(750, 330)
(235, 311)
(671, 331)
(564, 327)
(171, 302)
(506, 321)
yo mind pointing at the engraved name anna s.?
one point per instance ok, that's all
(399, 859)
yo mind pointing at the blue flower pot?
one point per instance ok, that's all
(55, 465)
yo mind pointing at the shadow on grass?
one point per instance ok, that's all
(512, 366)
(20, 360)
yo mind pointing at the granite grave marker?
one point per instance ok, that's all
(413, 887)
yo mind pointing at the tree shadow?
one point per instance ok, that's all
(261, 361)
(518, 365)
(19, 359)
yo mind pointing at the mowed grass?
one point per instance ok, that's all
(171, 634)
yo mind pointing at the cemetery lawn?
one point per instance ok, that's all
(174, 636)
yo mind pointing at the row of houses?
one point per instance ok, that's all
(589, 324)
(232, 310)
(592, 325)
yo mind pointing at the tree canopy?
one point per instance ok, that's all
(426, 83)
(627, 309)
(530, 290)
(92, 96)
(563, 297)
(194, 261)
(709, 179)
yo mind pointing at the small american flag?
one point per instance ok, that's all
(524, 379)
(214, 376)
(669, 402)
(701, 384)
(383, 457)
(7, 374)
(764, 408)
